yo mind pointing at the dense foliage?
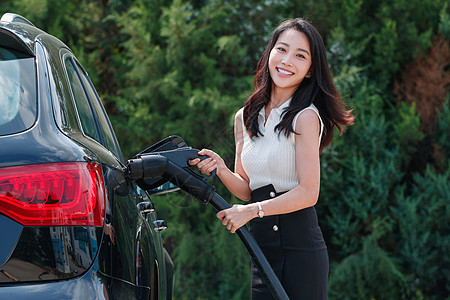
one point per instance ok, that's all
(167, 67)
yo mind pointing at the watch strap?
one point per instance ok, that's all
(260, 210)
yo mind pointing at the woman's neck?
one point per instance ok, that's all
(279, 96)
(276, 102)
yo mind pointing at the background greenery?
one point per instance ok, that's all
(165, 67)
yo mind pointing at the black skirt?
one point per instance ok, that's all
(294, 246)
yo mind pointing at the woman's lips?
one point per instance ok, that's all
(284, 72)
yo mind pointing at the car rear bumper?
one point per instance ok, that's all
(91, 285)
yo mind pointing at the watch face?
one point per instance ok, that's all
(261, 214)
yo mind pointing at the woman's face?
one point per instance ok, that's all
(289, 61)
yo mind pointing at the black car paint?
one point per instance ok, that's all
(131, 263)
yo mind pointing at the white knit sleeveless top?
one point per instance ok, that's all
(270, 159)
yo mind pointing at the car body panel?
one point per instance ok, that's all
(91, 285)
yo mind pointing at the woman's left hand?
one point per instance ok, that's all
(237, 216)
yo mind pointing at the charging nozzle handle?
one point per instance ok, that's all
(189, 183)
(159, 166)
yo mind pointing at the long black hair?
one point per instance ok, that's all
(319, 89)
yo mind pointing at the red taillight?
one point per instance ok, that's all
(53, 194)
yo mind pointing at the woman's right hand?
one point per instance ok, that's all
(234, 182)
(208, 165)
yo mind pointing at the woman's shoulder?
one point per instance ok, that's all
(311, 107)
(238, 123)
(307, 117)
(308, 112)
(239, 116)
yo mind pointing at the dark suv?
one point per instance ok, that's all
(72, 227)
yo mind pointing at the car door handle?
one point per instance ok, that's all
(145, 207)
(160, 225)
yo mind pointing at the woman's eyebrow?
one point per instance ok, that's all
(299, 49)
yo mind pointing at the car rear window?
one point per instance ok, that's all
(17, 91)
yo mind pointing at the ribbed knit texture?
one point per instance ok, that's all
(270, 159)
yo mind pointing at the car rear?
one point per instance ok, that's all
(52, 189)
(71, 224)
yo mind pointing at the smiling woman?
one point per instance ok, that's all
(279, 133)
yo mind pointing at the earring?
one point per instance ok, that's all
(308, 76)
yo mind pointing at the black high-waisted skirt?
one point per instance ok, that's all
(294, 246)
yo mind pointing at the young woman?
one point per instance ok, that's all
(279, 133)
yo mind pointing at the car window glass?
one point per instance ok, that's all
(65, 112)
(17, 91)
(103, 121)
(82, 103)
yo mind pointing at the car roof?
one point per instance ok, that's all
(23, 34)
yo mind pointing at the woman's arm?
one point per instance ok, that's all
(306, 193)
(308, 171)
(237, 182)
